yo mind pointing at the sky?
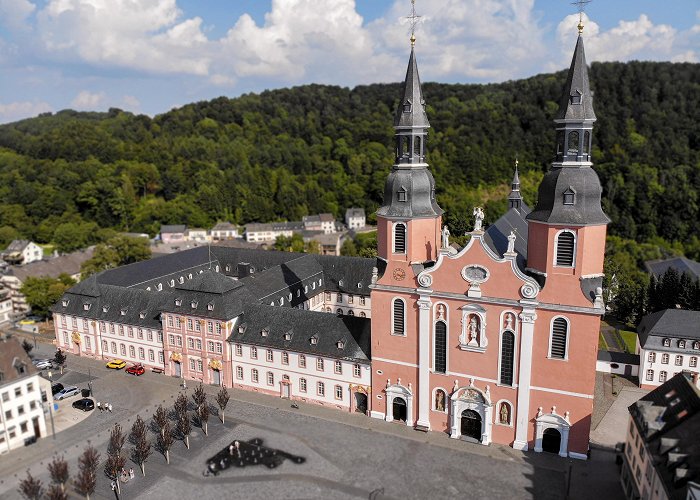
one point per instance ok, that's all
(148, 56)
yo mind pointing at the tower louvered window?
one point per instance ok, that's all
(399, 238)
(398, 317)
(566, 245)
(560, 330)
(440, 347)
(507, 346)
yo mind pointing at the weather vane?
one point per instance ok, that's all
(414, 20)
(581, 4)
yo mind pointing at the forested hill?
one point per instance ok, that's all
(286, 153)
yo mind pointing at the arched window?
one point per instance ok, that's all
(416, 146)
(397, 317)
(586, 142)
(566, 249)
(351, 313)
(404, 146)
(559, 337)
(572, 148)
(400, 238)
(440, 347)
(339, 312)
(507, 348)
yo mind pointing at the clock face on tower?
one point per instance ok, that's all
(399, 274)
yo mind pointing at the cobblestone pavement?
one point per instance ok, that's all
(348, 455)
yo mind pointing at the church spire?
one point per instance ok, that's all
(515, 199)
(411, 109)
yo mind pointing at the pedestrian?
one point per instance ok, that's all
(184, 384)
(131, 473)
(99, 407)
(110, 407)
(114, 486)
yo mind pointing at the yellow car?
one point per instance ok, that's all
(116, 364)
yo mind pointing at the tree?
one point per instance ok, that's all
(87, 475)
(199, 396)
(56, 493)
(142, 446)
(222, 398)
(30, 487)
(204, 417)
(115, 252)
(58, 468)
(42, 293)
(115, 460)
(160, 418)
(180, 404)
(184, 427)
(60, 359)
(165, 440)
(27, 346)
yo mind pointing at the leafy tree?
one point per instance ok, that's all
(222, 399)
(160, 418)
(31, 488)
(142, 446)
(87, 476)
(115, 460)
(27, 346)
(348, 248)
(117, 251)
(165, 441)
(60, 359)
(42, 293)
(58, 468)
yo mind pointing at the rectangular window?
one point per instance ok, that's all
(190, 343)
(189, 323)
(122, 349)
(132, 351)
(8, 414)
(178, 340)
(111, 328)
(560, 331)
(239, 350)
(218, 328)
(178, 322)
(170, 321)
(18, 391)
(350, 299)
(338, 392)
(23, 427)
(679, 360)
(362, 301)
(30, 388)
(87, 342)
(302, 361)
(302, 385)
(662, 376)
(338, 367)
(131, 332)
(219, 348)
(20, 410)
(664, 359)
(140, 333)
(339, 297)
(320, 389)
(142, 353)
(328, 296)
(85, 324)
(398, 317)
(5, 397)
(171, 339)
(65, 338)
(121, 330)
(105, 346)
(285, 358)
(197, 326)
(693, 361)
(652, 357)
(210, 346)
(149, 336)
(161, 357)
(356, 370)
(650, 375)
(200, 365)
(254, 375)
(319, 364)
(239, 372)
(270, 378)
(254, 352)
(210, 327)
(269, 355)
(114, 348)
(192, 365)
(32, 405)
(151, 355)
(160, 336)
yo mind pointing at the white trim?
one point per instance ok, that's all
(405, 237)
(556, 246)
(445, 402)
(551, 335)
(482, 341)
(563, 393)
(395, 362)
(497, 413)
(445, 319)
(399, 391)
(376, 414)
(467, 377)
(578, 456)
(552, 421)
(393, 301)
(459, 403)
(500, 357)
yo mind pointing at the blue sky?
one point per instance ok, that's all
(148, 56)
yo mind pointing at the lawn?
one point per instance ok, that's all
(629, 340)
(602, 345)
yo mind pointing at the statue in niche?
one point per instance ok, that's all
(441, 312)
(504, 414)
(478, 214)
(445, 237)
(511, 242)
(473, 330)
(439, 400)
(509, 321)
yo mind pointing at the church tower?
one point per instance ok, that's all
(567, 227)
(409, 221)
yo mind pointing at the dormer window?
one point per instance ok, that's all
(359, 284)
(228, 268)
(681, 344)
(401, 195)
(210, 306)
(172, 283)
(105, 309)
(181, 279)
(340, 282)
(86, 306)
(696, 345)
(288, 336)
(178, 302)
(667, 342)
(340, 344)
(265, 332)
(159, 287)
(194, 304)
(142, 314)
(569, 196)
(21, 368)
(65, 302)
(281, 301)
(313, 340)
(123, 311)
(407, 106)
(289, 297)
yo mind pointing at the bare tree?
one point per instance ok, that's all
(115, 459)
(160, 417)
(184, 427)
(204, 417)
(222, 398)
(87, 477)
(30, 487)
(56, 493)
(180, 404)
(142, 446)
(58, 468)
(165, 440)
(199, 396)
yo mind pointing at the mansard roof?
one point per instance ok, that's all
(677, 324)
(680, 264)
(328, 330)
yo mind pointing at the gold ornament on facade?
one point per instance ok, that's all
(215, 364)
(76, 337)
(176, 356)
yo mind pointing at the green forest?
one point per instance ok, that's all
(69, 178)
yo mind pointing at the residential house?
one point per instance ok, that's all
(21, 252)
(197, 235)
(172, 233)
(257, 232)
(355, 218)
(321, 222)
(224, 231)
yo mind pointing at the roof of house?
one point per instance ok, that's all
(173, 228)
(623, 358)
(354, 212)
(670, 323)
(14, 362)
(274, 226)
(668, 419)
(69, 264)
(681, 264)
(318, 218)
(497, 233)
(17, 246)
(266, 326)
(224, 226)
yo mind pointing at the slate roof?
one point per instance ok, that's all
(577, 83)
(288, 277)
(347, 274)
(303, 325)
(413, 94)
(209, 295)
(680, 264)
(17, 246)
(354, 212)
(173, 228)
(675, 324)
(274, 226)
(668, 418)
(68, 263)
(11, 356)
(496, 235)
(318, 218)
(224, 226)
(623, 358)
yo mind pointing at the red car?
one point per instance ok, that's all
(136, 370)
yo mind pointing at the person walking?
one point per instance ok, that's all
(131, 473)
(110, 407)
(99, 406)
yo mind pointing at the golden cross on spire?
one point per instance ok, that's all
(581, 4)
(414, 19)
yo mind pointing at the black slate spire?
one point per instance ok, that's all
(411, 109)
(576, 100)
(515, 199)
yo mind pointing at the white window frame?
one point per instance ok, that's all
(551, 335)
(392, 317)
(393, 238)
(650, 375)
(556, 246)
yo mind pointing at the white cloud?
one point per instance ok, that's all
(24, 109)
(629, 40)
(131, 103)
(14, 13)
(88, 101)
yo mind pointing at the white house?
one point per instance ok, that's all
(321, 222)
(224, 231)
(22, 399)
(269, 232)
(22, 252)
(196, 234)
(355, 218)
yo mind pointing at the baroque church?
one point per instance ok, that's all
(492, 343)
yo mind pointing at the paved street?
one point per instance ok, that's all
(348, 455)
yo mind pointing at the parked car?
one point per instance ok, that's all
(44, 364)
(67, 392)
(136, 369)
(116, 364)
(56, 388)
(85, 404)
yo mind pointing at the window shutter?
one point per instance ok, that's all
(440, 347)
(559, 332)
(399, 238)
(565, 249)
(507, 344)
(398, 317)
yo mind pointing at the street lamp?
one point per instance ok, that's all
(53, 429)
